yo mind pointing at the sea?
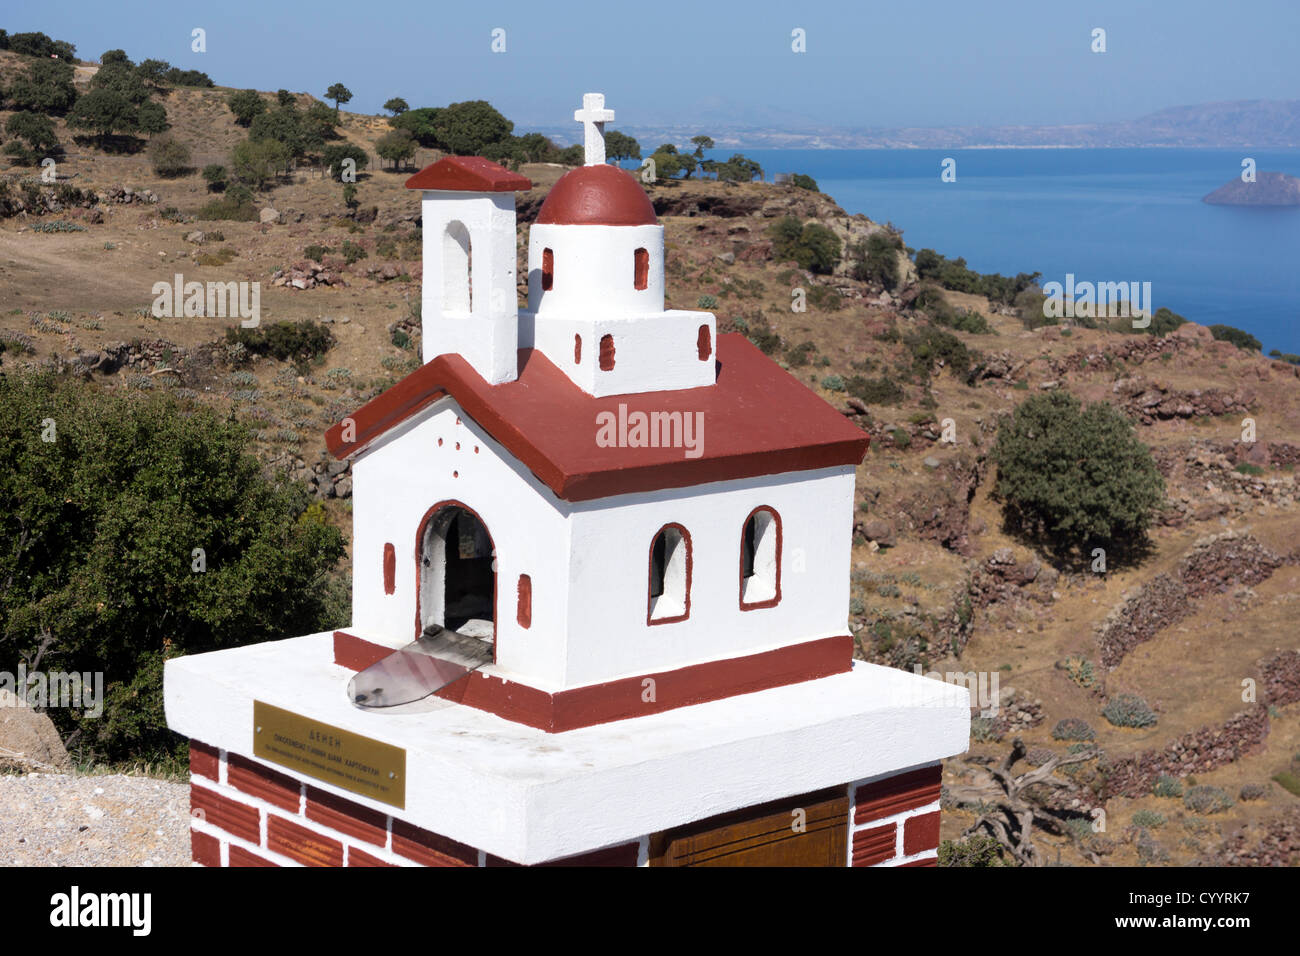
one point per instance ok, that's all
(1103, 215)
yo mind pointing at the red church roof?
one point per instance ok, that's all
(601, 195)
(472, 174)
(757, 420)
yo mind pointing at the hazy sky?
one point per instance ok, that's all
(901, 63)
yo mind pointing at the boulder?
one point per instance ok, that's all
(268, 215)
(28, 740)
(879, 531)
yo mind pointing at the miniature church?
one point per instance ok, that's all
(599, 595)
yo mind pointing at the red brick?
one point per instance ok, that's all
(624, 855)
(362, 858)
(907, 791)
(929, 861)
(205, 848)
(241, 857)
(204, 761)
(225, 814)
(875, 845)
(257, 781)
(356, 821)
(430, 848)
(298, 843)
(921, 833)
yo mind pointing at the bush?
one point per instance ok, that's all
(335, 155)
(1081, 671)
(352, 252)
(1129, 710)
(833, 383)
(1148, 818)
(876, 259)
(169, 156)
(1206, 799)
(813, 247)
(932, 346)
(978, 849)
(875, 391)
(1243, 340)
(236, 205)
(316, 252)
(287, 341)
(707, 302)
(1288, 782)
(797, 355)
(115, 506)
(214, 174)
(1072, 728)
(1074, 477)
(804, 181)
(1252, 791)
(1167, 786)
(953, 274)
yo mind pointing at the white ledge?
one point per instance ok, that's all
(530, 796)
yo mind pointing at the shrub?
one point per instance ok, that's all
(236, 205)
(825, 298)
(797, 355)
(1148, 818)
(804, 181)
(316, 252)
(1246, 468)
(833, 383)
(1081, 671)
(352, 252)
(876, 259)
(1243, 340)
(985, 730)
(1206, 799)
(115, 558)
(1075, 477)
(813, 246)
(169, 156)
(334, 156)
(931, 346)
(286, 341)
(1167, 786)
(1129, 710)
(214, 174)
(1072, 728)
(978, 849)
(707, 302)
(1252, 791)
(875, 391)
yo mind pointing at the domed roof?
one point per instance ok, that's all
(600, 195)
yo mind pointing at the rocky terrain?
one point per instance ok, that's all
(1200, 631)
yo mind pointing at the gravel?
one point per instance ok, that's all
(51, 819)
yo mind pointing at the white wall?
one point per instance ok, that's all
(403, 475)
(608, 633)
(594, 270)
(488, 335)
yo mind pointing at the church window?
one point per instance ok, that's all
(548, 270)
(760, 560)
(457, 286)
(670, 575)
(607, 353)
(642, 271)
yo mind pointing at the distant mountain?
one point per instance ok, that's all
(1240, 123)
(1268, 189)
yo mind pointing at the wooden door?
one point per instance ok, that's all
(808, 830)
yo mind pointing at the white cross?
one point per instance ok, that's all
(593, 116)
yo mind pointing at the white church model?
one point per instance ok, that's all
(600, 590)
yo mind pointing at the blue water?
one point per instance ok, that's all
(1103, 214)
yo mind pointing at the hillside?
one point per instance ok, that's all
(937, 583)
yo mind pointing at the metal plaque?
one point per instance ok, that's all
(349, 761)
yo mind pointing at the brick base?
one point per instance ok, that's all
(246, 814)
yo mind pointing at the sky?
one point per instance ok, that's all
(866, 64)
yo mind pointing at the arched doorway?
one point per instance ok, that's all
(456, 565)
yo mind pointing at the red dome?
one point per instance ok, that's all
(600, 195)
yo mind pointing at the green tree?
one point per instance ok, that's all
(153, 72)
(397, 106)
(1243, 340)
(105, 112)
(465, 129)
(247, 105)
(102, 526)
(214, 174)
(738, 169)
(812, 246)
(397, 146)
(169, 156)
(36, 130)
(1075, 478)
(804, 182)
(339, 94)
(702, 143)
(536, 148)
(257, 161)
(115, 57)
(151, 118)
(422, 123)
(46, 88)
(318, 124)
(38, 44)
(334, 156)
(284, 125)
(618, 146)
(285, 98)
(350, 196)
(122, 78)
(876, 259)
